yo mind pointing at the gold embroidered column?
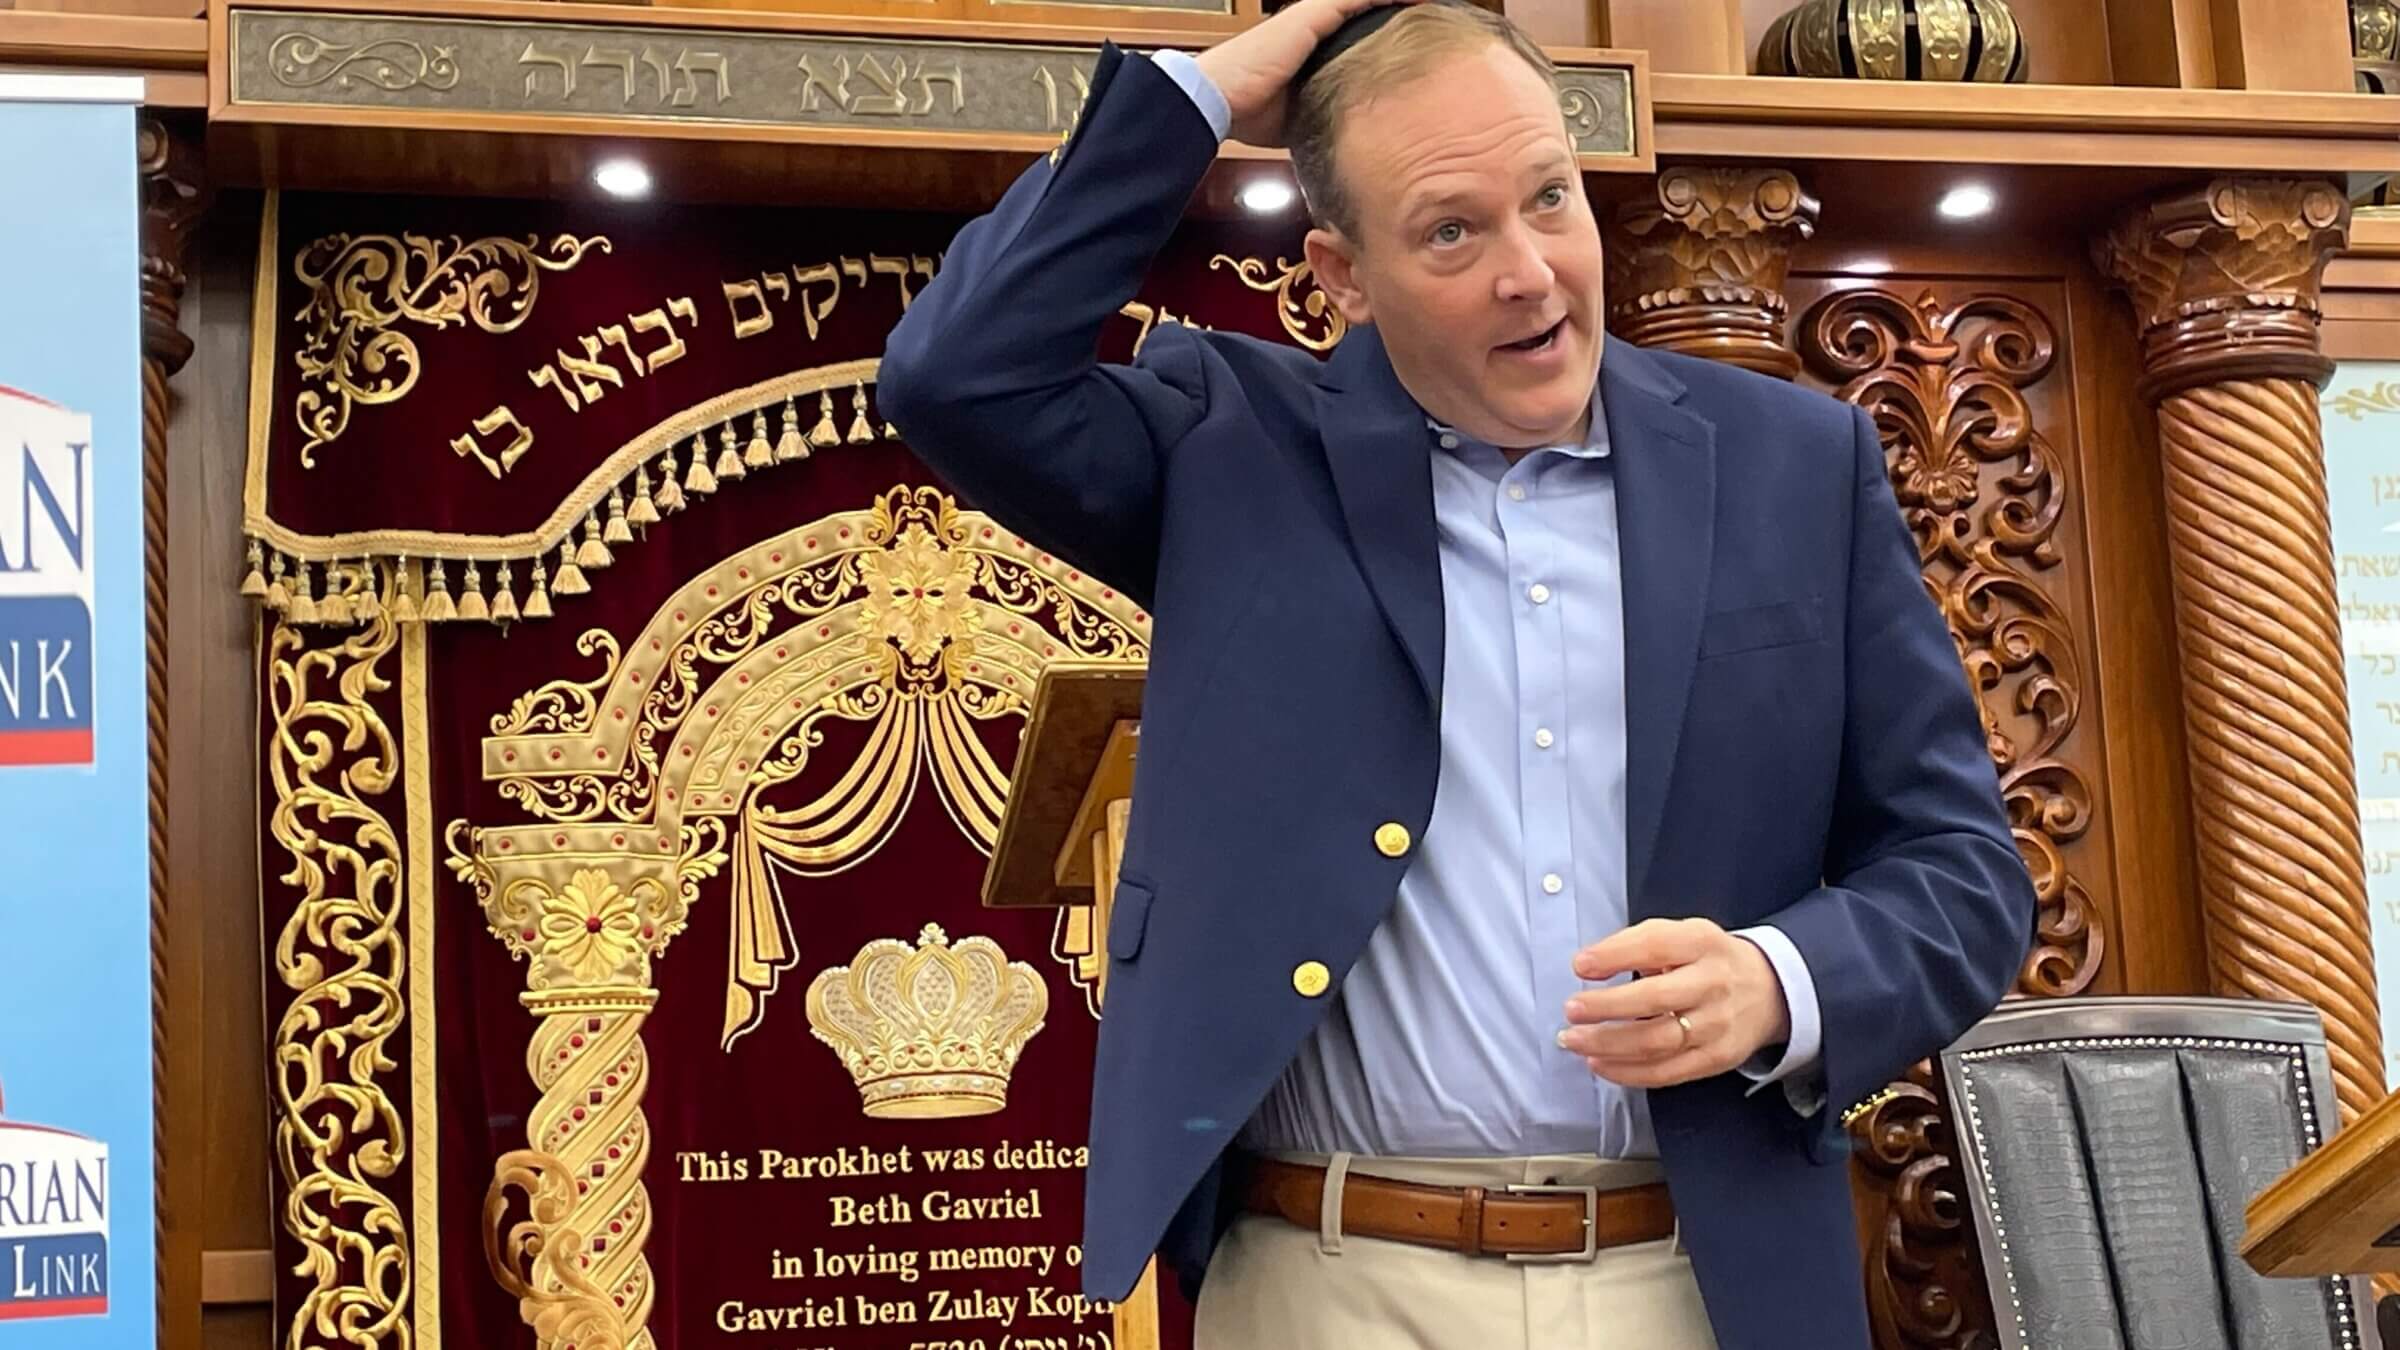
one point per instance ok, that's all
(2224, 281)
(1700, 268)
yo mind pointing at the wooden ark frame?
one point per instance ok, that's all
(1740, 209)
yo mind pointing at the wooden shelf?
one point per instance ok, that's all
(2100, 135)
(2375, 234)
(2095, 126)
(171, 54)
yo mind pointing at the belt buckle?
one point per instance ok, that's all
(1591, 1226)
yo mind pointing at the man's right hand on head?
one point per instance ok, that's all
(1254, 69)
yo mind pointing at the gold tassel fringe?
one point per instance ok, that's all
(729, 460)
(760, 454)
(439, 607)
(471, 606)
(504, 598)
(790, 447)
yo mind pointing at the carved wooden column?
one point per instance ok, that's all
(2225, 280)
(172, 201)
(1701, 268)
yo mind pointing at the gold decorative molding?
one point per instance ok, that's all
(424, 1074)
(303, 61)
(339, 1137)
(1306, 313)
(359, 287)
(1700, 267)
(658, 72)
(2225, 282)
(929, 1032)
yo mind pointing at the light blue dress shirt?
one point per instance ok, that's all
(1443, 1039)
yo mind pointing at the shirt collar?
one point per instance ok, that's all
(1593, 446)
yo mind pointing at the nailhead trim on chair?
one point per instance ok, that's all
(2344, 1310)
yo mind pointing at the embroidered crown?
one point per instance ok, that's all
(929, 1031)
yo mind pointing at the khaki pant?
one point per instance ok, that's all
(1274, 1286)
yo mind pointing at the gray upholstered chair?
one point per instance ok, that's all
(2109, 1147)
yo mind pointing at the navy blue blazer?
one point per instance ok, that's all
(1802, 747)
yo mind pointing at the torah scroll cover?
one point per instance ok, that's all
(635, 716)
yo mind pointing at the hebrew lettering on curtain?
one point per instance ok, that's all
(636, 716)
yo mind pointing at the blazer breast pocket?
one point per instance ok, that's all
(1753, 628)
(1128, 918)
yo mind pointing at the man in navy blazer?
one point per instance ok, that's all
(1559, 797)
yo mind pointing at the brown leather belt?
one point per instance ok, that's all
(1521, 1223)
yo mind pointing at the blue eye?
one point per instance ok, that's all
(1449, 232)
(1554, 195)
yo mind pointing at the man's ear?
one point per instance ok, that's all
(1333, 258)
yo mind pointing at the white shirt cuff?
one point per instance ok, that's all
(1205, 95)
(1795, 1067)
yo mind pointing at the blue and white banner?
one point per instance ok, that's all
(76, 1210)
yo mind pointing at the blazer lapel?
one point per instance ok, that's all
(1666, 470)
(1381, 459)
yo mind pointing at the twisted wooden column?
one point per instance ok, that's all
(172, 202)
(2225, 281)
(1700, 269)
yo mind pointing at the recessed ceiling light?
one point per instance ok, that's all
(1967, 201)
(1267, 196)
(622, 178)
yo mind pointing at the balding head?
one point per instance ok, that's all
(1411, 43)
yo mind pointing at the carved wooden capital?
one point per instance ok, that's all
(173, 199)
(2224, 280)
(1701, 268)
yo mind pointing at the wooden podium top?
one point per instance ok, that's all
(1077, 756)
(2338, 1211)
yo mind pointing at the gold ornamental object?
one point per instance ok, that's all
(1934, 40)
(929, 1032)
(2375, 31)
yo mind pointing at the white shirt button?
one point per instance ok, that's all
(1516, 492)
(1538, 593)
(1449, 442)
(1543, 738)
(1552, 884)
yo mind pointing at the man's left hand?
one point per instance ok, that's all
(1730, 1002)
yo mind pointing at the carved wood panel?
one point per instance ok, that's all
(1967, 383)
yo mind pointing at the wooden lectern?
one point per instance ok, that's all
(1062, 834)
(2337, 1212)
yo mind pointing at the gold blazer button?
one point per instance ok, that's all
(1311, 978)
(1391, 839)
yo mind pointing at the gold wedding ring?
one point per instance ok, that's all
(1686, 1024)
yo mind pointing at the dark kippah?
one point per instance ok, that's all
(1354, 30)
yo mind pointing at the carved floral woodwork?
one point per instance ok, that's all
(1924, 1280)
(1700, 268)
(1986, 496)
(1984, 492)
(2224, 282)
